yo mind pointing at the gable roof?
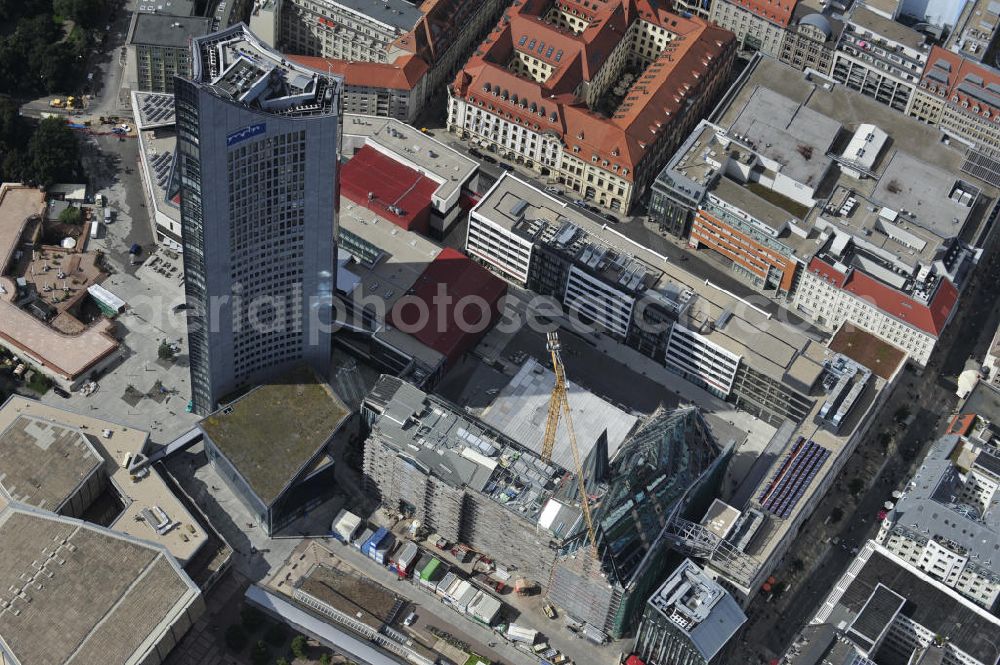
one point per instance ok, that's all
(930, 318)
(403, 74)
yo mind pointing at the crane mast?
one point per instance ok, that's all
(559, 405)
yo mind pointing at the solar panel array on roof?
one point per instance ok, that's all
(793, 477)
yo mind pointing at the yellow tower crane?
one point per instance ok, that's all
(559, 405)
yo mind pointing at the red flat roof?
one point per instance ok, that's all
(454, 294)
(930, 318)
(392, 183)
(828, 272)
(403, 74)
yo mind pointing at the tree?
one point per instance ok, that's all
(84, 12)
(836, 514)
(251, 617)
(166, 352)
(53, 153)
(855, 486)
(276, 635)
(282, 661)
(260, 654)
(71, 215)
(902, 413)
(236, 638)
(299, 646)
(325, 659)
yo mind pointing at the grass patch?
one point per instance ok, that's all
(774, 198)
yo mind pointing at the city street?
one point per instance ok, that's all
(815, 562)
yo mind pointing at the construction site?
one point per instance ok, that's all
(597, 559)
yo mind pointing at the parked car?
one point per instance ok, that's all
(59, 391)
(553, 190)
(410, 619)
(505, 166)
(475, 153)
(611, 218)
(489, 159)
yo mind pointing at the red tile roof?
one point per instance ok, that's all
(775, 11)
(652, 104)
(403, 74)
(828, 272)
(448, 293)
(958, 80)
(391, 184)
(930, 318)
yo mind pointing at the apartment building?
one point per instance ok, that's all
(159, 48)
(945, 524)
(826, 200)
(635, 296)
(961, 97)
(393, 56)
(593, 97)
(880, 58)
(885, 610)
(257, 141)
(688, 621)
(759, 25)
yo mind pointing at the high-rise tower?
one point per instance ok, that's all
(257, 155)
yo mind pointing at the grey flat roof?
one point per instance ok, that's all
(166, 30)
(521, 409)
(790, 133)
(888, 28)
(42, 463)
(399, 14)
(909, 183)
(765, 211)
(272, 432)
(92, 595)
(928, 603)
(697, 600)
(171, 7)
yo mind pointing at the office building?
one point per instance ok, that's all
(472, 484)
(811, 37)
(274, 446)
(824, 199)
(256, 156)
(594, 98)
(159, 48)
(759, 25)
(393, 56)
(688, 621)
(880, 58)
(945, 523)
(885, 610)
(636, 297)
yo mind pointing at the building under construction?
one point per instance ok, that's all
(669, 468)
(473, 485)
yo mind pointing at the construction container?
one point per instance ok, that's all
(344, 526)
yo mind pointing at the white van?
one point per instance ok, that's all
(95, 228)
